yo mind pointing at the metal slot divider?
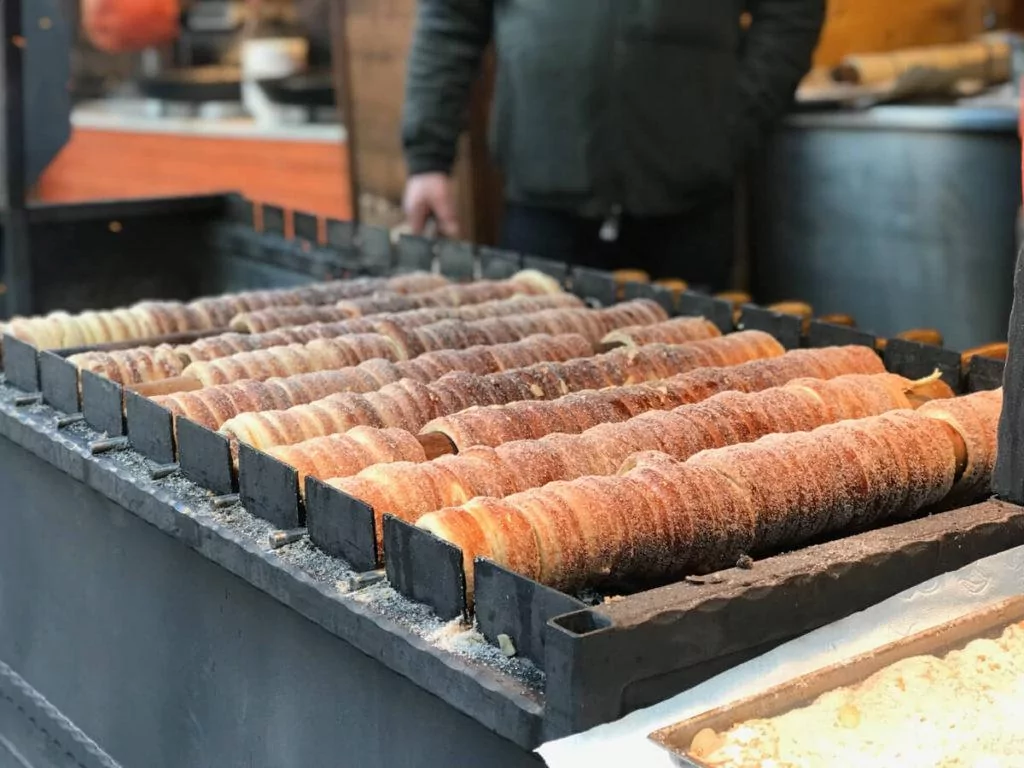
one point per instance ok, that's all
(658, 293)
(788, 329)
(241, 210)
(915, 361)
(828, 335)
(205, 457)
(984, 373)
(718, 311)
(59, 382)
(556, 269)
(424, 568)
(506, 603)
(341, 525)
(456, 260)
(21, 364)
(414, 253)
(341, 239)
(150, 428)
(595, 285)
(269, 489)
(1008, 477)
(306, 227)
(102, 403)
(273, 220)
(325, 262)
(375, 254)
(496, 264)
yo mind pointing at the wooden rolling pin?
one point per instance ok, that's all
(984, 60)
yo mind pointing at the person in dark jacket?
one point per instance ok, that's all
(619, 125)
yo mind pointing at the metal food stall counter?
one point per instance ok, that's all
(900, 215)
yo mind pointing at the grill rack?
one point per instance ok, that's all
(573, 642)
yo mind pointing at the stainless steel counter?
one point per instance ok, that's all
(144, 116)
(901, 216)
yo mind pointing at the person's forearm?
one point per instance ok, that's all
(777, 54)
(448, 45)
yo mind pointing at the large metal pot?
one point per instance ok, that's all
(901, 216)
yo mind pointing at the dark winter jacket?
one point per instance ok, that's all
(642, 105)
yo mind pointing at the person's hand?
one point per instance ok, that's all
(431, 194)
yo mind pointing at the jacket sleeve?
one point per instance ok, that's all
(448, 45)
(776, 56)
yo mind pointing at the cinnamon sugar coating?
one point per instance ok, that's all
(317, 355)
(575, 413)
(678, 330)
(661, 517)
(725, 419)
(394, 404)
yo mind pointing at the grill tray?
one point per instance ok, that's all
(674, 637)
(803, 690)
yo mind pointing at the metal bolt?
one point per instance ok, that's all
(108, 444)
(164, 470)
(280, 539)
(67, 421)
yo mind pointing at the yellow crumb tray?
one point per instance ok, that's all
(801, 691)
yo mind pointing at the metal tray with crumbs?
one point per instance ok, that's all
(803, 690)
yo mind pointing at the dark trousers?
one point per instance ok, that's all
(698, 246)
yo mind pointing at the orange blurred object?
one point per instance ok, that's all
(130, 25)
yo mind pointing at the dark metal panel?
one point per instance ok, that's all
(984, 373)
(788, 329)
(242, 678)
(914, 361)
(456, 260)
(496, 264)
(828, 335)
(424, 568)
(716, 310)
(58, 380)
(273, 220)
(205, 457)
(414, 253)
(102, 403)
(1008, 477)
(47, 52)
(594, 284)
(375, 255)
(269, 488)
(508, 604)
(899, 228)
(36, 735)
(21, 364)
(341, 525)
(150, 428)
(306, 226)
